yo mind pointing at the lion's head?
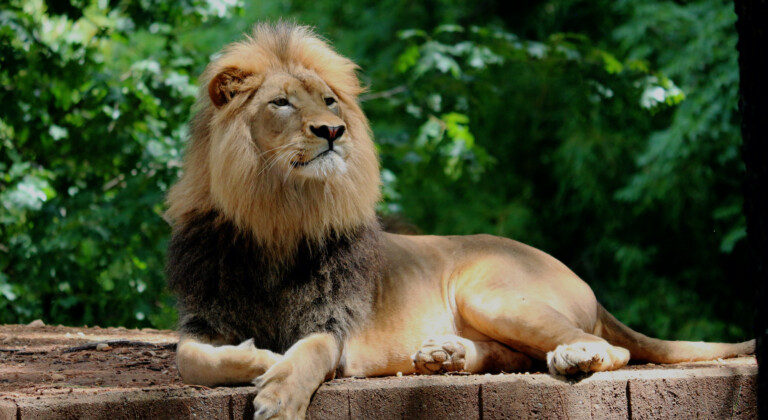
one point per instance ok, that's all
(279, 145)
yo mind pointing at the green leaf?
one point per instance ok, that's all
(407, 59)
(449, 29)
(57, 132)
(611, 64)
(30, 193)
(411, 33)
(536, 49)
(6, 289)
(732, 238)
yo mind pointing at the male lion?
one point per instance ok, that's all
(284, 277)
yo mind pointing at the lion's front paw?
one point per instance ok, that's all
(265, 407)
(277, 401)
(439, 355)
(569, 359)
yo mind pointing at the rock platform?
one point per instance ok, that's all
(55, 372)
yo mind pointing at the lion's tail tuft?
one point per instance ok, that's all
(654, 350)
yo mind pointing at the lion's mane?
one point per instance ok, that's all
(260, 254)
(224, 173)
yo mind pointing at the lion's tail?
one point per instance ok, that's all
(642, 347)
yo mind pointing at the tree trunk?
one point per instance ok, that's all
(753, 104)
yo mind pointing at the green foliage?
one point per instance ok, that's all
(91, 133)
(688, 172)
(605, 133)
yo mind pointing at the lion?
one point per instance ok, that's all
(284, 277)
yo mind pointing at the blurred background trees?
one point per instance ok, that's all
(603, 132)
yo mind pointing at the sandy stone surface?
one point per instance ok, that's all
(44, 360)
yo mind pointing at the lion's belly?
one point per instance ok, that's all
(412, 305)
(385, 346)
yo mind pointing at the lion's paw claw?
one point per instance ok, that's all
(437, 356)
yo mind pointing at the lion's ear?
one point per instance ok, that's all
(225, 85)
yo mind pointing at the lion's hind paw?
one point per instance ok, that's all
(570, 359)
(437, 355)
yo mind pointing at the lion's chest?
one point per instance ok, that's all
(226, 289)
(300, 302)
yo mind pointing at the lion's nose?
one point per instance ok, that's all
(328, 133)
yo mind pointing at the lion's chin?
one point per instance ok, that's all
(323, 167)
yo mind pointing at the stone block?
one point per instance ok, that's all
(428, 398)
(717, 393)
(545, 397)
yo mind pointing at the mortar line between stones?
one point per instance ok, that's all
(349, 404)
(480, 407)
(18, 410)
(629, 401)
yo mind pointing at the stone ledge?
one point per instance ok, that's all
(719, 389)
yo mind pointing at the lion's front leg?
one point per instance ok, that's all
(286, 388)
(203, 363)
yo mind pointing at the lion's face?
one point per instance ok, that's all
(298, 126)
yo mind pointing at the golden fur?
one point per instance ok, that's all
(475, 303)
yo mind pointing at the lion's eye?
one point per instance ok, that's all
(330, 101)
(280, 102)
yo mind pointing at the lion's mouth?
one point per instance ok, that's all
(299, 164)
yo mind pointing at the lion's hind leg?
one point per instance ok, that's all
(202, 363)
(451, 353)
(541, 331)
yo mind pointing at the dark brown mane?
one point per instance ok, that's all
(227, 289)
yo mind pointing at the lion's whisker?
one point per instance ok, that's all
(276, 156)
(293, 143)
(287, 174)
(271, 162)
